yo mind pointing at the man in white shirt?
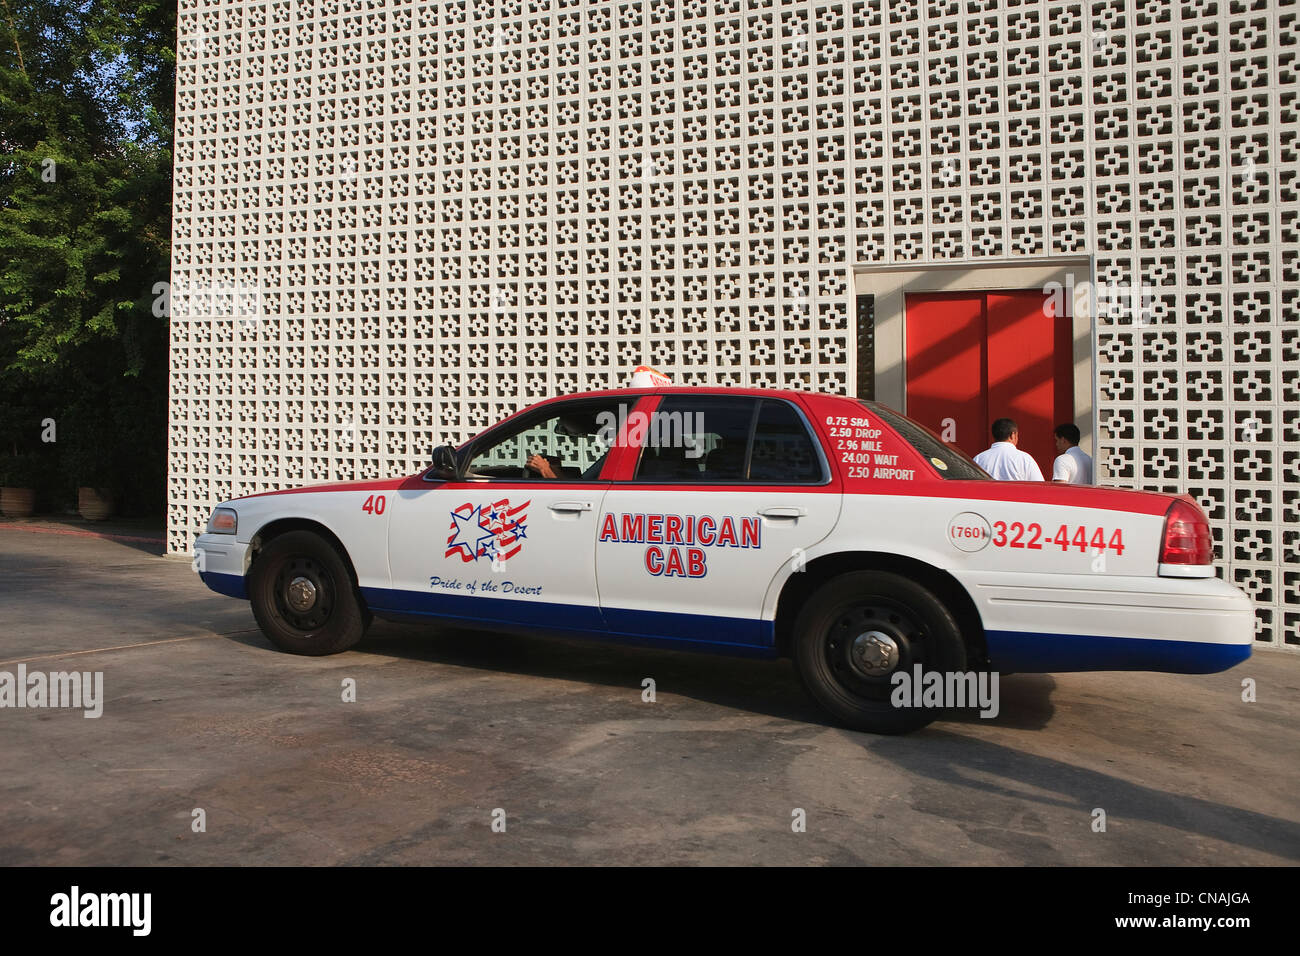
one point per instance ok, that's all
(1004, 461)
(1073, 466)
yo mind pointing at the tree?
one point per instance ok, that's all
(86, 94)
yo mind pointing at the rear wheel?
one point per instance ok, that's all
(857, 631)
(303, 598)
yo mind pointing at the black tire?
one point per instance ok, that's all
(334, 620)
(852, 605)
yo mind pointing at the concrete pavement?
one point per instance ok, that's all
(200, 712)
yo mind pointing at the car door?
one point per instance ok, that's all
(724, 492)
(512, 542)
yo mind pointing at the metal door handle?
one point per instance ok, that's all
(782, 512)
(570, 506)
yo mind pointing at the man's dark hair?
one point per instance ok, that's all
(1067, 431)
(1004, 428)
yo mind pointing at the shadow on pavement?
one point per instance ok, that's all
(988, 768)
(770, 688)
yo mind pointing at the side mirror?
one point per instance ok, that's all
(444, 463)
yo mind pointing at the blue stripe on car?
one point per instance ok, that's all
(229, 584)
(1032, 652)
(704, 631)
(1009, 651)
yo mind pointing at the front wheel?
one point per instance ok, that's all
(860, 629)
(303, 598)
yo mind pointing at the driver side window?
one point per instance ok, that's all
(564, 443)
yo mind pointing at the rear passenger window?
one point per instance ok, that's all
(783, 451)
(697, 439)
(715, 439)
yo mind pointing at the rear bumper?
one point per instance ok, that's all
(1049, 622)
(1025, 652)
(221, 562)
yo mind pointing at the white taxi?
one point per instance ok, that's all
(745, 521)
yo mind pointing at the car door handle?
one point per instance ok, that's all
(569, 506)
(782, 512)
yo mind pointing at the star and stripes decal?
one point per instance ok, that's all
(495, 532)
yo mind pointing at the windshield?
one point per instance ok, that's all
(948, 461)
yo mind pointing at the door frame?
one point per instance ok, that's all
(889, 284)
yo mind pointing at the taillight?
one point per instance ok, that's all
(1187, 535)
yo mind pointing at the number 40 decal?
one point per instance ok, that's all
(375, 505)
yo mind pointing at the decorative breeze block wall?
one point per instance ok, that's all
(396, 222)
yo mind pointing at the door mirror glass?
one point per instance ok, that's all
(444, 464)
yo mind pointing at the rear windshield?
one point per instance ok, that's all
(947, 461)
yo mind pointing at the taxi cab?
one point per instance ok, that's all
(827, 529)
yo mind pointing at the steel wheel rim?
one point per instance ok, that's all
(866, 625)
(298, 575)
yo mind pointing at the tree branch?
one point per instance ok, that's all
(13, 31)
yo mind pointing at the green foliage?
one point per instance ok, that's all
(86, 93)
(20, 471)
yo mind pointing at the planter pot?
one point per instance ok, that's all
(17, 502)
(94, 504)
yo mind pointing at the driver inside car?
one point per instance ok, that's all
(542, 465)
(548, 466)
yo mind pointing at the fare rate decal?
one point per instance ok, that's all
(684, 538)
(858, 444)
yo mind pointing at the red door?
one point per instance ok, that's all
(974, 357)
(946, 336)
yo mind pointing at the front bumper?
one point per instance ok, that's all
(222, 562)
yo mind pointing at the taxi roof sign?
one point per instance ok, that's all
(643, 376)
